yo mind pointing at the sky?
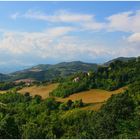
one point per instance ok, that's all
(34, 33)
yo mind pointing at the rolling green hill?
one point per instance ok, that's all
(116, 75)
(50, 72)
(47, 72)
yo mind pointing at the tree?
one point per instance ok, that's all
(37, 99)
(8, 128)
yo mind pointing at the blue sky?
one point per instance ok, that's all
(51, 32)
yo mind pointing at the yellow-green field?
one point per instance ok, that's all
(43, 91)
(3, 91)
(94, 97)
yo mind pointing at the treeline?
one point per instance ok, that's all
(116, 75)
(23, 116)
(11, 85)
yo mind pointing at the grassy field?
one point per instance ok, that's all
(94, 97)
(43, 91)
(3, 91)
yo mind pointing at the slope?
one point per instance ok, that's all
(51, 72)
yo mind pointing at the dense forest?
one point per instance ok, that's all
(24, 116)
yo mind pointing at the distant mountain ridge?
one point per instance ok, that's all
(62, 65)
(10, 68)
(44, 72)
(48, 72)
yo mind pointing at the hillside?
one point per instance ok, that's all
(123, 59)
(3, 77)
(112, 77)
(50, 72)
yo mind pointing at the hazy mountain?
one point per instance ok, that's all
(6, 69)
(49, 72)
(3, 77)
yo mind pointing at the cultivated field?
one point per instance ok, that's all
(43, 91)
(3, 91)
(94, 97)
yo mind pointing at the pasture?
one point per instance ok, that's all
(94, 97)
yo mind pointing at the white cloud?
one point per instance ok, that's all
(86, 21)
(24, 42)
(56, 42)
(58, 31)
(125, 21)
(28, 47)
(59, 16)
(134, 38)
(15, 15)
